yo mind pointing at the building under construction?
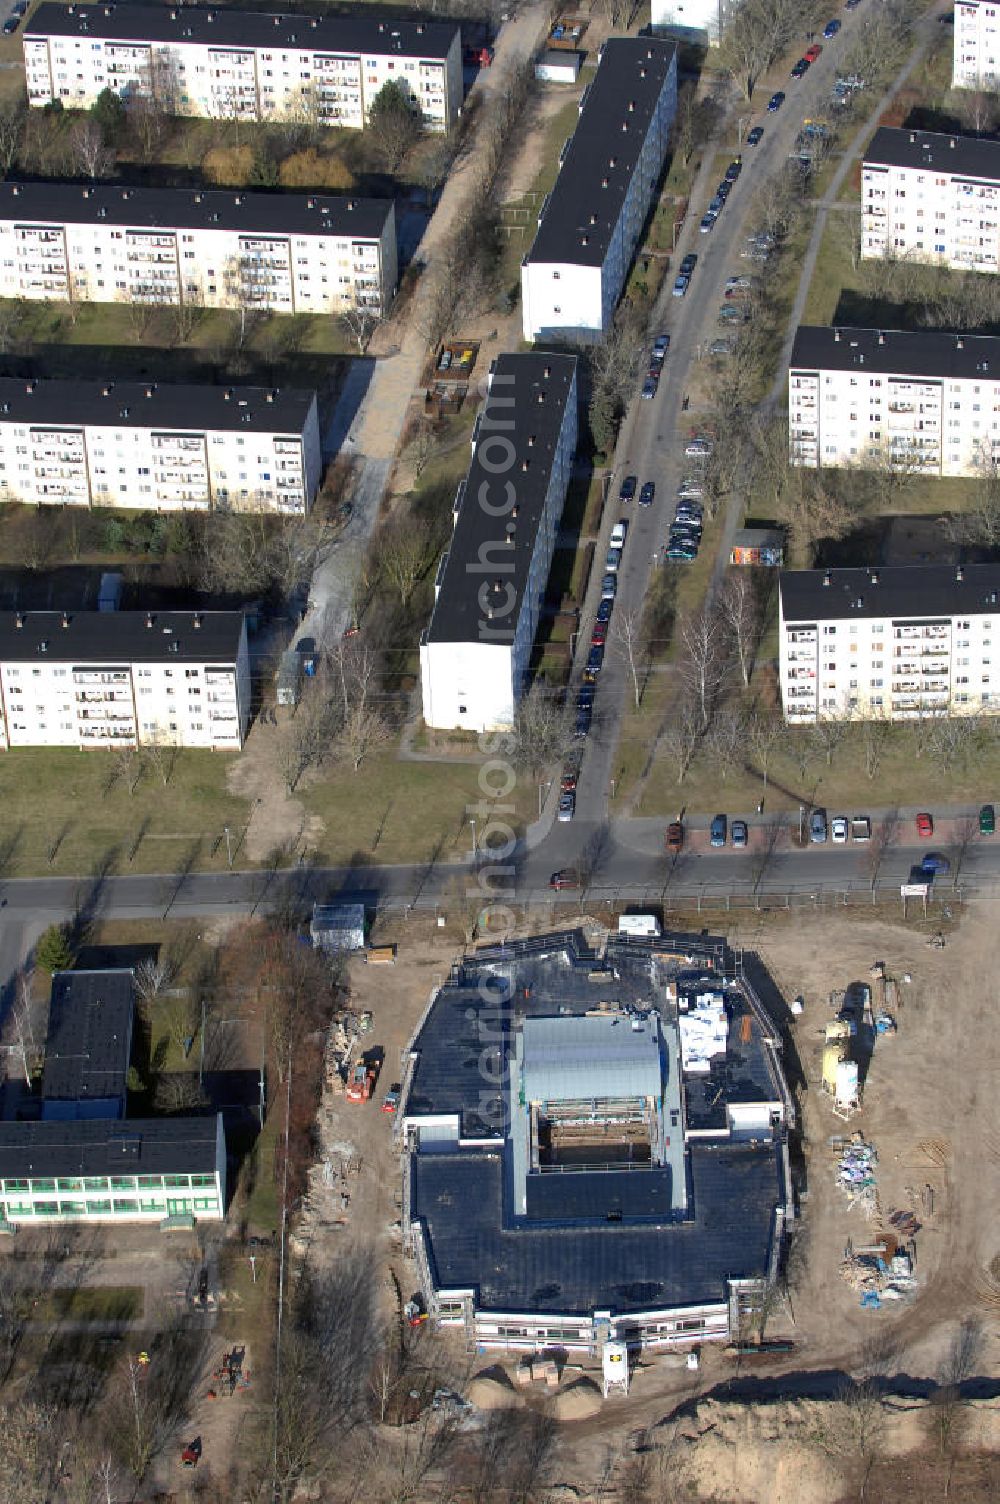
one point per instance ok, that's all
(595, 1144)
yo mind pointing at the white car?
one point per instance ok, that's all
(838, 830)
(698, 447)
(618, 533)
(681, 285)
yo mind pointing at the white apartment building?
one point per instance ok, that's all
(932, 197)
(158, 448)
(490, 585)
(706, 18)
(124, 678)
(893, 644)
(925, 402)
(286, 253)
(242, 65)
(589, 225)
(976, 62)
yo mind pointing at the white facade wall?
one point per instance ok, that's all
(111, 261)
(120, 464)
(976, 63)
(557, 293)
(930, 215)
(704, 16)
(900, 667)
(334, 88)
(59, 701)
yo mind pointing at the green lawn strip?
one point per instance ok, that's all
(91, 1303)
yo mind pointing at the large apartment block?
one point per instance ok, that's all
(892, 644)
(232, 64)
(926, 402)
(976, 62)
(589, 225)
(931, 197)
(124, 678)
(285, 253)
(158, 448)
(490, 585)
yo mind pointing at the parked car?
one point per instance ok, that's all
(690, 490)
(675, 836)
(688, 264)
(10, 25)
(838, 830)
(831, 28)
(583, 719)
(699, 446)
(566, 877)
(688, 511)
(740, 834)
(813, 52)
(628, 488)
(681, 285)
(649, 388)
(716, 205)
(605, 608)
(775, 102)
(721, 347)
(861, 828)
(609, 587)
(568, 784)
(619, 533)
(756, 135)
(737, 284)
(661, 345)
(987, 820)
(734, 169)
(723, 191)
(934, 864)
(647, 493)
(612, 560)
(567, 807)
(707, 220)
(391, 1099)
(600, 634)
(595, 659)
(800, 69)
(817, 827)
(925, 824)
(682, 551)
(717, 830)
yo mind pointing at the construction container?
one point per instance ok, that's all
(833, 1054)
(846, 1088)
(840, 1028)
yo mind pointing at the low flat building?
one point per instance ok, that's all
(931, 197)
(490, 585)
(204, 248)
(124, 678)
(590, 224)
(232, 64)
(925, 402)
(899, 643)
(89, 1044)
(573, 1176)
(976, 40)
(158, 447)
(759, 546)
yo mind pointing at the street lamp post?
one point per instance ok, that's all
(473, 824)
(229, 848)
(802, 817)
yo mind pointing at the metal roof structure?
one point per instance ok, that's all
(89, 1037)
(582, 1059)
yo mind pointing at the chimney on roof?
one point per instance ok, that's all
(873, 576)
(604, 182)
(881, 338)
(149, 391)
(149, 620)
(913, 138)
(547, 372)
(524, 464)
(826, 577)
(959, 575)
(951, 142)
(960, 344)
(65, 619)
(29, 387)
(269, 396)
(19, 621)
(836, 336)
(531, 440)
(642, 73)
(631, 106)
(197, 621)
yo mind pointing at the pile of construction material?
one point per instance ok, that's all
(882, 1271)
(535, 1370)
(704, 1031)
(855, 1172)
(341, 1041)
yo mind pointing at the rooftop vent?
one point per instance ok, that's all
(959, 575)
(624, 125)
(836, 336)
(541, 396)
(960, 344)
(197, 621)
(642, 73)
(584, 239)
(881, 338)
(149, 619)
(827, 578)
(604, 182)
(173, 647)
(43, 646)
(65, 619)
(951, 142)
(105, 391)
(547, 372)
(913, 138)
(873, 576)
(593, 219)
(19, 621)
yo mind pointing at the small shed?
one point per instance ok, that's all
(289, 677)
(556, 66)
(759, 545)
(338, 926)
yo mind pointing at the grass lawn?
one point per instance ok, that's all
(261, 1208)
(92, 1303)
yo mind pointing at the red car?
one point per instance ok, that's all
(565, 878)
(813, 52)
(925, 825)
(599, 636)
(568, 784)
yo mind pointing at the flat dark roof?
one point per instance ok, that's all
(932, 353)
(90, 1031)
(148, 404)
(271, 214)
(230, 27)
(137, 1146)
(580, 216)
(968, 156)
(915, 590)
(120, 637)
(526, 405)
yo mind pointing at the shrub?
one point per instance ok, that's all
(313, 169)
(229, 166)
(53, 953)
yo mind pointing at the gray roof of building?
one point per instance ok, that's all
(230, 27)
(120, 637)
(966, 156)
(570, 1267)
(914, 591)
(90, 1031)
(137, 1146)
(269, 214)
(581, 214)
(931, 353)
(539, 386)
(577, 1059)
(149, 404)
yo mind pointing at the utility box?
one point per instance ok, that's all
(289, 678)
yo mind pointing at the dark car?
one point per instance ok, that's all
(564, 878)
(715, 207)
(817, 827)
(595, 660)
(830, 29)
(682, 552)
(987, 820)
(585, 697)
(723, 191)
(688, 265)
(661, 345)
(11, 25)
(740, 834)
(734, 169)
(717, 832)
(934, 864)
(583, 719)
(604, 610)
(755, 136)
(801, 68)
(629, 487)
(647, 493)
(649, 387)
(775, 102)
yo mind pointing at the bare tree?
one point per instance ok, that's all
(541, 735)
(739, 604)
(13, 313)
(12, 115)
(363, 732)
(829, 732)
(153, 975)
(948, 1413)
(885, 832)
(90, 154)
(725, 738)
(406, 549)
(627, 637)
(764, 731)
(680, 736)
(756, 33)
(966, 832)
(703, 662)
(360, 323)
(857, 1432)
